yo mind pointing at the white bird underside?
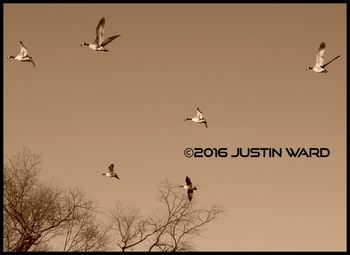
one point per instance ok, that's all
(199, 117)
(318, 69)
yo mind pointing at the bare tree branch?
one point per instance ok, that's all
(165, 230)
(36, 212)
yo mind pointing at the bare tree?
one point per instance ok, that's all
(167, 229)
(131, 228)
(36, 212)
(85, 233)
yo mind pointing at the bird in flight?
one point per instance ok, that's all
(319, 65)
(198, 118)
(111, 172)
(189, 188)
(23, 55)
(99, 44)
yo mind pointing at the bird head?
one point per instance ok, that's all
(10, 57)
(104, 174)
(308, 68)
(84, 44)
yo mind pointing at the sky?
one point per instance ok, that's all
(243, 65)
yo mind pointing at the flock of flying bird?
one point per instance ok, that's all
(99, 44)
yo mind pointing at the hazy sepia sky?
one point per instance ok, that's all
(242, 64)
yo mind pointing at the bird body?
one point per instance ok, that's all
(22, 55)
(99, 44)
(320, 65)
(189, 187)
(111, 172)
(198, 118)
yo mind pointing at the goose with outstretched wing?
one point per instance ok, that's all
(111, 172)
(320, 65)
(199, 118)
(99, 42)
(23, 55)
(189, 187)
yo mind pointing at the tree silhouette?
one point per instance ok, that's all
(167, 229)
(36, 212)
(85, 233)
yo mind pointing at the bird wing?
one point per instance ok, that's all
(23, 51)
(31, 60)
(188, 181)
(111, 168)
(320, 54)
(199, 114)
(190, 194)
(116, 176)
(100, 31)
(331, 61)
(109, 39)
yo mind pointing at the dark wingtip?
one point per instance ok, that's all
(322, 45)
(101, 22)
